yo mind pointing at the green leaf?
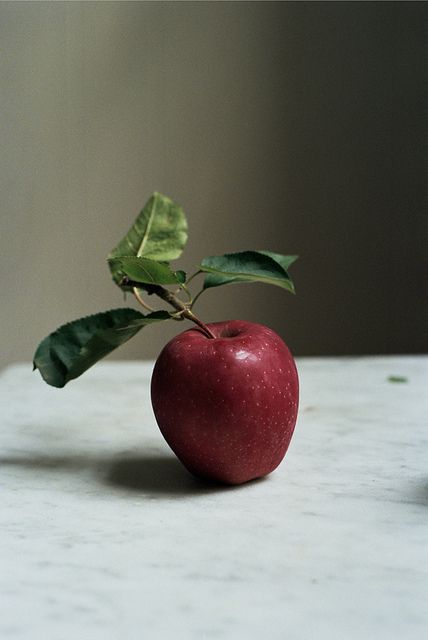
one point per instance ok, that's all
(159, 233)
(70, 350)
(146, 271)
(248, 266)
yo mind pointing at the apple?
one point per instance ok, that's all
(225, 395)
(227, 406)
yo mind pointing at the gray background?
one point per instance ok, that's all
(299, 127)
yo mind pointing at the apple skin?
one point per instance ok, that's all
(227, 406)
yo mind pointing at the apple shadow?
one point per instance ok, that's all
(159, 475)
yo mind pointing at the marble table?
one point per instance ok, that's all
(104, 535)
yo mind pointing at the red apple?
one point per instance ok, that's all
(227, 406)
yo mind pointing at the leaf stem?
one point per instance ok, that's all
(141, 300)
(186, 291)
(193, 276)
(196, 297)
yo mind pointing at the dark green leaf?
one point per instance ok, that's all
(284, 261)
(159, 233)
(248, 266)
(146, 271)
(73, 348)
(181, 276)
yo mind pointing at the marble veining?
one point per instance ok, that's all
(104, 535)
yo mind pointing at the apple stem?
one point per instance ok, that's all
(181, 307)
(191, 316)
(175, 302)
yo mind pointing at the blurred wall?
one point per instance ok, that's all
(300, 127)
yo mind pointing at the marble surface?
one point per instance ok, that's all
(104, 535)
